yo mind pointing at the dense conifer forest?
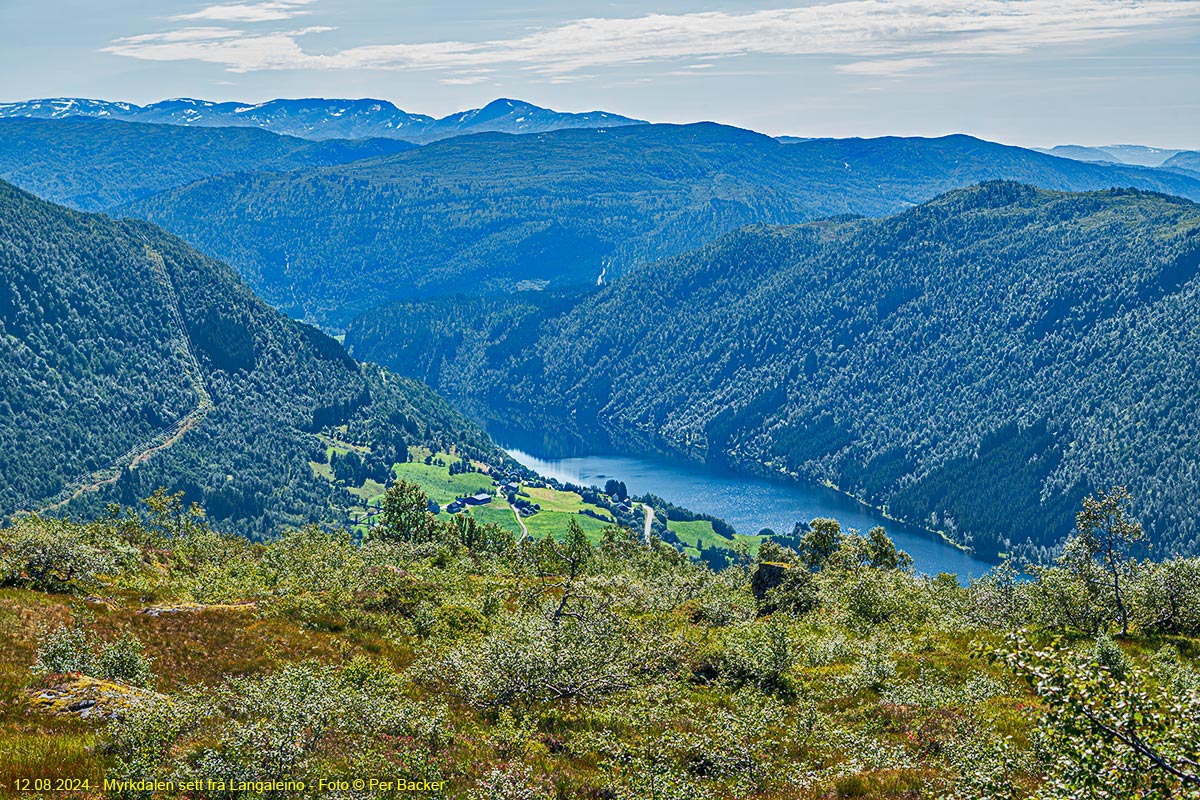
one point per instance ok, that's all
(94, 165)
(115, 338)
(241, 561)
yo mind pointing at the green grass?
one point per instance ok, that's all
(369, 490)
(557, 508)
(60, 750)
(439, 484)
(442, 487)
(555, 523)
(568, 502)
(699, 534)
(691, 533)
(754, 540)
(501, 515)
(334, 445)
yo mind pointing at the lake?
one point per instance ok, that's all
(750, 504)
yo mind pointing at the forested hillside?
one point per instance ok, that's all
(96, 164)
(492, 213)
(121, 347)
(1187, 162)
(975, 364)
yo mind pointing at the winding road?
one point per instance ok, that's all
(521, 522)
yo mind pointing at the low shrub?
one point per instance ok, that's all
(51, 555)
(124, 659)
(73, 648)
(68, 648)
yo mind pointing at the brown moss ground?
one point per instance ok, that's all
(196, 647)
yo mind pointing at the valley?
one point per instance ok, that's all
(488, 214)
(117, 339)
(908, 360)
(748, 504)
(516, 454)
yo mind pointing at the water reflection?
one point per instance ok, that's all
(749, 504)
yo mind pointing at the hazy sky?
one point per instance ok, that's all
(1030, 72)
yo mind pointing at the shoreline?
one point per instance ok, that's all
(793, 479)
(741, 471)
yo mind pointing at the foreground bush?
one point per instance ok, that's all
(54, 555)
(73, 648)
(534, 659)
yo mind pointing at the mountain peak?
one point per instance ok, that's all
(324, 118)
(508, 102)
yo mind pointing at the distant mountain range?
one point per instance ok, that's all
(494, 213)
(568, 277)
(1187, 162)
(975, 364)
(1131, 154)
(96, 164)
(328, 229)
(316, 118)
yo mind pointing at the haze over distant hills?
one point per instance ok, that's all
(317, 118)
(515, 229)
(1132, 154)
(1187, 162)
(95, 164)
(494, 213)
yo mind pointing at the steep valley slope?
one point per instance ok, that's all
(122, 347)
(975, 364)
(493, 213)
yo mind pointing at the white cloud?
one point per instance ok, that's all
(248, 12)
(237, 50)
(186, 35)
(879, 37)
(887, 67)
(469, 78)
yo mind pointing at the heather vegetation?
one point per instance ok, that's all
(560, 666)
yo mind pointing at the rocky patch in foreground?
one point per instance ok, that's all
(188, 608)
(87, 697)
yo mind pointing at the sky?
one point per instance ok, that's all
(1026, 72)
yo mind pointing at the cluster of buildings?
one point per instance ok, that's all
(509, 489)
(521, 505)
(480, 499)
